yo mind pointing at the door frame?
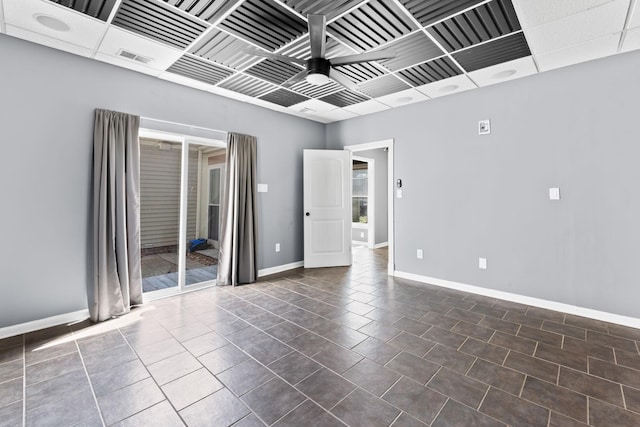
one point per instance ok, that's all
(389, 144)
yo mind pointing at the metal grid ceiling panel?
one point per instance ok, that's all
(224, 49)
(359, 73)
(344, 98)
(301, 49)
(383, 86)
(199, 69)
(330, 9)
(430, 72)
(314, 91)
(265, 23)
(247, 85)
(429, 11)
(284, 97)
(478, 25)
(492, 53)
(207, 10)
(159, 22)
(100, 9)
(372, 24)
(411, 50)
(274, 71)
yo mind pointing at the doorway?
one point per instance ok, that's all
(181, 179)
(380, 206)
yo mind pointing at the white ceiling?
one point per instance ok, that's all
(559, 33)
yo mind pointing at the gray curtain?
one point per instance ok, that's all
(237, 260)
(116, 215)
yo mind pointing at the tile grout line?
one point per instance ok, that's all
(24, 380)
(86, 373)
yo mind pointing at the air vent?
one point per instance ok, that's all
(207, 10)
(430, 72)
(383, 86)
(265, 23)
(411, 50)
(224, 49)
(284, 97)
(344, 98)
(372, 24)
(100, 9)
(274, 71)
(159, 22)
(478, 25)
(494, 52)
(428, 12)
(247, 85)
(199, 69)
(330, 9)
(134, 56)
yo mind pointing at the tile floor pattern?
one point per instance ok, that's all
(326, 347)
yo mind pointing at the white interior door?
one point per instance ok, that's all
(327, 208)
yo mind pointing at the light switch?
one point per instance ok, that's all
(482, 263)
(399, 194)
(263, 188)
(554, 194)
(419, 253)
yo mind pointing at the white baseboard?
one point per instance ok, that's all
(522, 299)
(380, 245)
(280, 268)
(48, 322)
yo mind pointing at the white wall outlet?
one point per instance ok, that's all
(263, 188)
(419, 253)
(482, 263)
(362, 234)
(399, 194)
(484, 127)
(277, 247)
(554, 194)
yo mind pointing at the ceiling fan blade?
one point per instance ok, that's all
(340, 78)
(317, 35)
(364, 57)
(295, 79)
(275, 56)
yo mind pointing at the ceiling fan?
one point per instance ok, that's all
(319, 70)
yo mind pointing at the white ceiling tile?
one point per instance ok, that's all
(84, 31)
(503, 72)
(635, 16)
(532, 13)
(578, 28)
(447, 86)
(367, 107)
(313, 104)
(335, 115)
(185, 81)
(631, 40)
(161, 56)
(592, 49)
(48, 41)
(405, 97)
(127, 63)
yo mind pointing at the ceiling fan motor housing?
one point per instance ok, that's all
(318, 66)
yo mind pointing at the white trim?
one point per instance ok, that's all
(380, 245)
(280, 268)
(47, 322)
(522, 299)
(387, 143)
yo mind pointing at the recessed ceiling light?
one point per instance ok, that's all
(51, 23)
(449, 88)
(504, 74)
(405, 99)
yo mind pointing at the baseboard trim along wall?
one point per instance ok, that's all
(536, 302)
(280, 268)
(380, 245)
(47, 322)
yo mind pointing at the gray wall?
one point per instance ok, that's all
(381, 189)
(468, 196)
(46, 122)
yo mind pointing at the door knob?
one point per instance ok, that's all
(307, 214)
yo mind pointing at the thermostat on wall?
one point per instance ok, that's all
(484, 127)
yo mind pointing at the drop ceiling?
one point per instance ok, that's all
(443, 46)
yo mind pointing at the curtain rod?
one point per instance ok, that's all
(183, 124)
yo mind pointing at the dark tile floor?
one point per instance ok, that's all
(326, 347)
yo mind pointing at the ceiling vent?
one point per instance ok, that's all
(134, 56)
